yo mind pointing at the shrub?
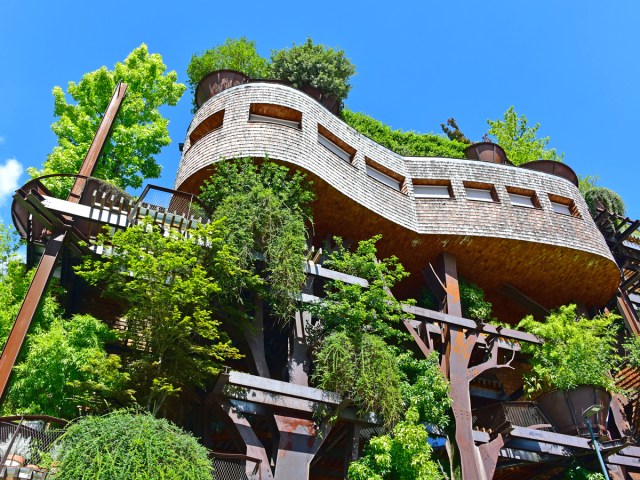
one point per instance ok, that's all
(316, 65)
(410, 144)
(124, 445)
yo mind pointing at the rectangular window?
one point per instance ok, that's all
(563, 205)
(335, 145)
(521, 200)
(254, 117)
(479, 194)
(431, 191)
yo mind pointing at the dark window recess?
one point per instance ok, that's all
(337, 146)
(563, 205)
(272, 113)
(481, 192)
(209, 124)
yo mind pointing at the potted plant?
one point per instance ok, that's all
(571, 370)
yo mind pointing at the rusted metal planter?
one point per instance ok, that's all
(486, 152)
(564, 410)
(554, 168)
(216, 82)
(330, 102)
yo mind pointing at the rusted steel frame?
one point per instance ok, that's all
(238, 456)
(30, 305)
(628, 312)
(489, 453)
(530, 305)
(99, 140)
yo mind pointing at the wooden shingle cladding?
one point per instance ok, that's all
(209, 124)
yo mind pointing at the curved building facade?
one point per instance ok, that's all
(506, 225)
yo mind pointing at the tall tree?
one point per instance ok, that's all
(519, 140)
(139, 132)
(169, 283)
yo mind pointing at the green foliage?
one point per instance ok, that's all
(316, 65)
(169, 283)
(426, 389)
(519, 140)
(606, 198)
(234, 54)
(66, 368)
(578, 472)
(124, 445)
(139, 132)
(632, 351)
(587, 182)
(266, 208)
(355, 338)
(403, 455)
(410, 144)
(576, 351)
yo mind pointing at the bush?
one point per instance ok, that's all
(124, 445)
(410, 144)
(314, 65)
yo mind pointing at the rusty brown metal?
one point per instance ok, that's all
(54, 247)
(99, 140)
(29, 306)
(489, 453)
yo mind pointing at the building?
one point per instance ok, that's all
(524, 234)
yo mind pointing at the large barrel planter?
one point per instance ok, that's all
(487, 152)
(564, 410)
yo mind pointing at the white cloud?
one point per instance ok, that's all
(9, 174)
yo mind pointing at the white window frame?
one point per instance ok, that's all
(561, 208)
(519, 200)
(431, 191)
(333, 148)
(383, 177)
(479, 194)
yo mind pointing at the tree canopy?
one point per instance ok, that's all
(519, 140)
(138, 134)
(266, 211)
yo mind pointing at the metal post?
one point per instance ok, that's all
(597, 448)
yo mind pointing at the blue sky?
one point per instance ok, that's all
(571, 66)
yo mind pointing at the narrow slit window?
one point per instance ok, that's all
(278, 114)
(563, 205)
(561, 208)
(335, 145)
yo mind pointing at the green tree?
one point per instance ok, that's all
(404, 454)
(66, 367)
(125, 445)
(138, 134)
(604, 198)
(410, 144)
(234, 54)
(519, 140)
(315, 65)
(356, 340)
(169, 283)
(266, 209)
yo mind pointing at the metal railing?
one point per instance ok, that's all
(231, 466)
